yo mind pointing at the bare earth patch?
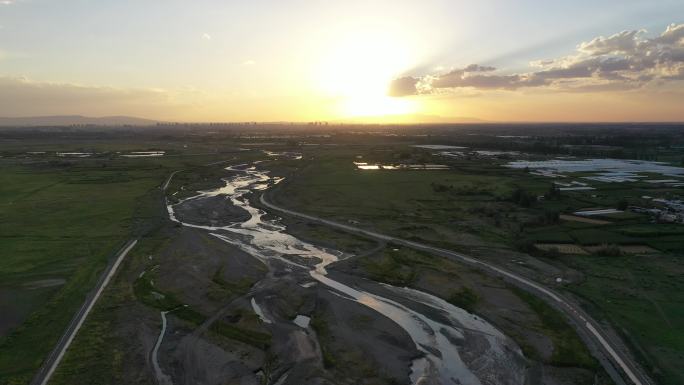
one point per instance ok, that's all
(575, 218)
(44, 283)
(627, 249)
(564, 248)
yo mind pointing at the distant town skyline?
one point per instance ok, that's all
(382, 61)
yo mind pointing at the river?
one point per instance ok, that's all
(442, 340)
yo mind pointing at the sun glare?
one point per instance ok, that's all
(357, 70)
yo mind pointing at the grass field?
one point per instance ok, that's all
(96, 355)
(60, 222)
(61, 219)
(638, 294)
(644, 297)
(432, 205)
(569, 349)
(60, 226)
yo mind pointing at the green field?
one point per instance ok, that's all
(97, 353)
(469, 208)
(644, 297)
(61, 220)
(431, 205)
(60, 225)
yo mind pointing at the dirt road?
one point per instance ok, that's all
(629, 371)
(55, 357)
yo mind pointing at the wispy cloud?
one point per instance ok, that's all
(625, 60)
(206, 36)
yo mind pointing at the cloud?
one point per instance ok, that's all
(623, 42)
(206, 36)
(672, 35)
(248, 62)
(24, 97)
(625, 60)
(478, 81)
(403, 86)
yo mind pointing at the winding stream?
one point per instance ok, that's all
(458, 348)
(162, 378)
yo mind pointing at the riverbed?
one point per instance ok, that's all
(457, 347)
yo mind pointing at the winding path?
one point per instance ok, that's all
(630, 372)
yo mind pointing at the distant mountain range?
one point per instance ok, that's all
(70, 120)
(79, 120)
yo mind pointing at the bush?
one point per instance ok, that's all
(622, 205)
(609, 251)
(525, 245)
(522, 198)
(438, 187)
(553, 193)
(465, 298)
(550, 217)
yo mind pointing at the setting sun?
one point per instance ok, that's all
(356, 70)
(297, 192)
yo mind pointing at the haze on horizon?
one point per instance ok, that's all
(296, 60)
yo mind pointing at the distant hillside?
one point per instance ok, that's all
(70, 120)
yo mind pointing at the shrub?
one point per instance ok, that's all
(521, 197)
(465, 298)
(525, 245)
(553, 193)
(609, 251)
(622, 205)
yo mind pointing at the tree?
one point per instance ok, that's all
(522, 197)
(609, 251)
(553, 193)
(622, 205)
(551, 217)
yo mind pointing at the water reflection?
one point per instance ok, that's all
(367, 166)
(439, 341)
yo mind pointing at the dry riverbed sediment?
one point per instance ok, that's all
(318, 323)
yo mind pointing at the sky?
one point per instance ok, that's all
(373, 60)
